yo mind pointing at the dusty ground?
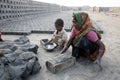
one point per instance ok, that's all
(82, 71)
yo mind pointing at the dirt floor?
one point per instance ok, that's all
(82, 70)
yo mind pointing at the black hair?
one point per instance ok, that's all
(75, 19)
(59, 22)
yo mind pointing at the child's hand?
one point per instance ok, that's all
(48, 41)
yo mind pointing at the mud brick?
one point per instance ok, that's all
(59, 63)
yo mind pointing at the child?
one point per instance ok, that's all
(59, 36)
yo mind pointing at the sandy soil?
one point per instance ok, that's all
(82, 70)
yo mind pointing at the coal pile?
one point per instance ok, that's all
(18, 59)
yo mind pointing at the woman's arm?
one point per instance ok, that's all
(101, 50)
(92, 36)
(67, 45)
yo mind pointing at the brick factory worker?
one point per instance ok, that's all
(85, 39)
(59, 36)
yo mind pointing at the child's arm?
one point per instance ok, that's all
(49, 41)
(53, 36)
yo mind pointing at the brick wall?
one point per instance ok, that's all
(14, 9)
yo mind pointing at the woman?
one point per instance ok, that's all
(85, 40)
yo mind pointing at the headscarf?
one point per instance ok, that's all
(84, 25)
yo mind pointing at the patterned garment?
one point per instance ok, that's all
(91, 35)
(82, 42)
(84, 26)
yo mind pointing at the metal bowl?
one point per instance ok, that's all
(49, 46)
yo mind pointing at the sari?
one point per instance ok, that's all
(81, 44)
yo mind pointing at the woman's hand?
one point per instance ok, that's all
(64, 50)
(67, 45)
